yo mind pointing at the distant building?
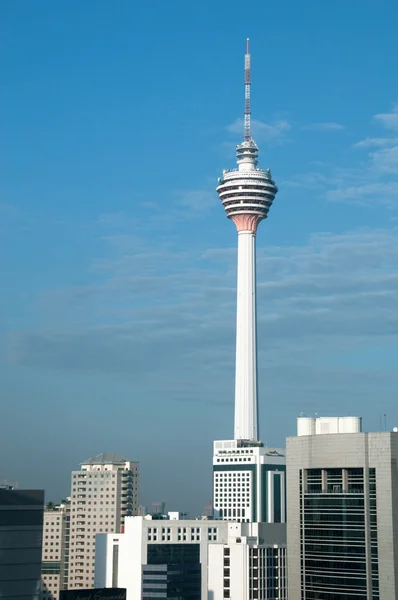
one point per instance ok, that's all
(103, 493)
(158, 508)
(208, 511)
(203, 558)
(8, 485)
(54, 568)
(21, 530)
(342, 526)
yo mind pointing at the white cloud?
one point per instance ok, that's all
(386, 160)
(262, 131)
(372, 180)
(197, 200)
(325, 126)
(168, 310)
(162, 321)
(380, 192)
(389, 120)
(376, 142)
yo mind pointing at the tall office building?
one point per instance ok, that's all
(103, 493)
(248, 482)
(342, 526)
(55, 550)
(248, 478)
(21, 530)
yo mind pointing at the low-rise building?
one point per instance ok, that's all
(156, 556)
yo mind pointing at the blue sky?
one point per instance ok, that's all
(118, 264)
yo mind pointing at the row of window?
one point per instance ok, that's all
(246, 451)
(239, 475)
(233, 460)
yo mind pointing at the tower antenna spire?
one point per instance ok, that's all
(247, 132)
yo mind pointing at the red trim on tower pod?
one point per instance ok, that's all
(246, 222)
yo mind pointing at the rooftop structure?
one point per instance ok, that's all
(106, 458)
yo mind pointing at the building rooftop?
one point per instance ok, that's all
(106, 458)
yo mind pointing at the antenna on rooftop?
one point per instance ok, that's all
(247, 132)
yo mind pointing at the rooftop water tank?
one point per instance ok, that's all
(350, 424)
(305, 426)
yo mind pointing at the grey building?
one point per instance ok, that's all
(21, 530)
(342, 511)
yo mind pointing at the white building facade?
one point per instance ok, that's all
(257, 557)
(249, 482)
(103, 493)
(251, 565)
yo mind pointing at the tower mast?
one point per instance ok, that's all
(247, 132)
(247, 194)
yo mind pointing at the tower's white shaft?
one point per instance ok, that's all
(246, 419)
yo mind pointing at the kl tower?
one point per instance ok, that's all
(248, 477)
(247, 194)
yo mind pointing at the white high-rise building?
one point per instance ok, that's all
(103, 493)
(248, 482)
(248, 478)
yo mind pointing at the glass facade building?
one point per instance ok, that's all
(172, 571)
(342, 525)
(337, 520)
(21, 530)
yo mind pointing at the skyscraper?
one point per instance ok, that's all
(103, 493)
(249, 479)
(342, 528)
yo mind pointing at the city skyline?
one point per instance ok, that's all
(119, 267)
